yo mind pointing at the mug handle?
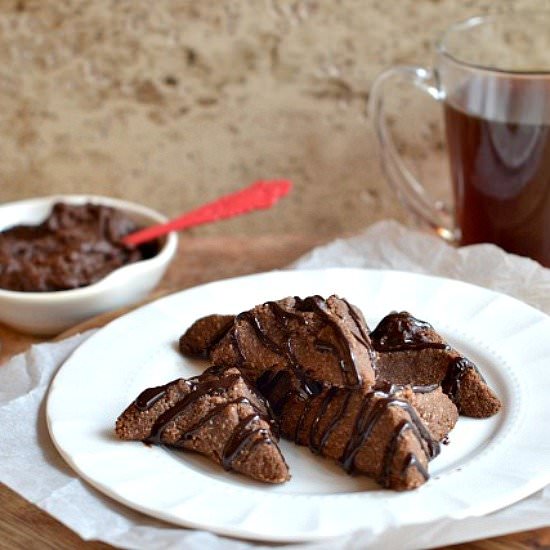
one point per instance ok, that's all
(412, 193)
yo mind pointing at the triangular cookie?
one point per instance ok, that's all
(376, 433)
(320, 341)
(217, 414)
(410, 351)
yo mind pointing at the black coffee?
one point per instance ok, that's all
(499, 145)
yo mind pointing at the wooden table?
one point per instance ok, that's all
(200, 260)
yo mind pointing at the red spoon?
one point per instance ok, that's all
(259, 195)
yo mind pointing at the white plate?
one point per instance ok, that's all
(489, 464)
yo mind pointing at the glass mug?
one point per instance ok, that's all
(492, 75)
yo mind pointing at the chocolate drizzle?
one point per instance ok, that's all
(424, 388)
(340, 349)
(147, 398)
(216, 339)
(403, 332)
(343, 349)
(286, 352)
(452, 382)
(363, 336)
(373, 406)
(198, 390)
(300, 423)
(322, 438)
(218, 336)
(412, 462)
(391, 388)
(389, 454)
(368, 417)
(246, 434)
(279, 381)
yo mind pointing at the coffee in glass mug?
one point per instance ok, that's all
(492, 76)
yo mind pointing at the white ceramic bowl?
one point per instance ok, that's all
(49, 313)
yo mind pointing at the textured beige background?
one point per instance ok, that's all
(172, 102)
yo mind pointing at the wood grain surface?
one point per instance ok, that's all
(200, 260)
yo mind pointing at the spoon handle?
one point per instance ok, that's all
(259, 195)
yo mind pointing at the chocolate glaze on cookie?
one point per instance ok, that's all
(319, 341)
(375, 433)
(402, 332)
(217, 414)
(410, 351)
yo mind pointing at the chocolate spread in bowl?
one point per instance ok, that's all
(77, 245)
